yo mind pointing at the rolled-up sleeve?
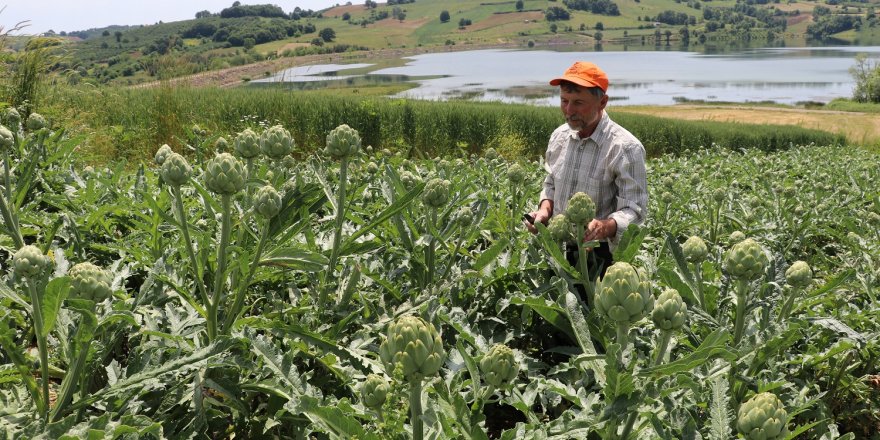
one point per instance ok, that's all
(632, 188)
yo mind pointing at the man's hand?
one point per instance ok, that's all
(600, 229)
(540, 216)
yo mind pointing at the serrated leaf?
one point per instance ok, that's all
(55, 294)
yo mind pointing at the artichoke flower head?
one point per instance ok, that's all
(162, 153)
(695, 250)
(415, 345)
(342, 142)
(499, 366)
(624, 294)
(670, 312)
(276, 142)
(374, 391)
(746, 260)
(175, 169)
(7, 140)
(516, 174)
(436, 193)
(799, 274)
(35, 122)
(89, 281)
(13, 118)
(581, 209)
(247, 144)
(267, 201)
(225, 174)
(763, 417)
(560, 228)
(29, 261)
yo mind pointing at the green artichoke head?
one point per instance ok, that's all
(89, 281)
(763, 417)
(695, 250)
(175, 169)
(225, 174)
(560, 228)
(415, 345)
(343, 141)
(276, 142)
(199, 131)
(247, 144)
(464, 217)
(409, 179)
(624, 295)
(736, 237)
(13, 118)
(436, 193)
(499, 366)
(35, 122)
(719, 195)
(162, 153)
(746, 260)
(374, 391)
(581, 209)
(7, 140)
(799, 274)
(267, 201)
(670, 312)
(221, 145)
(517, 174)
(30, 262)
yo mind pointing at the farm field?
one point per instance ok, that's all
(348, 291)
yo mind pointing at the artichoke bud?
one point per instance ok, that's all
(7, 140)
(695, 250)
(624, 294)
(289, 162)
(499, 366)
(13, 118)
(374, 391)
(560, 228)
(175, 169)
(342, 142)
(763, 417)
(436, 193)
(89, 281)
(267, 201)
(746, 260)
(221, 144)
(409, 179)
(199, 131)
(719, 195)
(464, 217)
(276, 142)
(225, 174)
(516, 174)
(35, 122)
(581, 209)
(670, 312)
(372, 168)
(29, 262)
(666, 197)
(415, 345)
(247, 144)
(162, 153)
(799, 274)
(736, 237)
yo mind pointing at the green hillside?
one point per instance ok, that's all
(234, 36)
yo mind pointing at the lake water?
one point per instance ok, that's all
(783, 75)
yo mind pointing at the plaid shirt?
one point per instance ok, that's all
(609, 166)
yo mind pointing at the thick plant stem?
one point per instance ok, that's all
(190, 252)
(337, 233)
(432, 243)
(68, 386)
(622, 341)
(233, 313)
(36, 305)
(742, 287)
(583, 268)
(11, 223)
(219, 282)
(789, 303)
(698, 281)
(662, 346)
(452, 258)
(415, 410)
(6, 180)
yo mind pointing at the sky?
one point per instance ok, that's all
(77, 15)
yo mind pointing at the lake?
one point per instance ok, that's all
(783, 75)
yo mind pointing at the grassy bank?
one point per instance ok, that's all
(131, 124)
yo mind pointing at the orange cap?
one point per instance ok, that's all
(584, 74)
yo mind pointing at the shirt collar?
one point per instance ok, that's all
(599, 133)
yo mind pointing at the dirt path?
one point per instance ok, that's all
(862, 128)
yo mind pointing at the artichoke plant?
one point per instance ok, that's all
(517, 174)
(35, 122)
(7, 140)
(581, 209)
(276, 142)
(799, 274)
(89, 281)
(560, 228)
(247, 144)
(415, 345)
(746, 260)
(695, 250)
(374, 391)
(499, 366)
(464, 217)
(175, 169)
(162, 153)
(763, 417)
(13, 118)
(224, 174)
(221, 144)
(267, 202)
(29, 262)
(624, 295)
(669, 312)
(342, 142)
(436, 193)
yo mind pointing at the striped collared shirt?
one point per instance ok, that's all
(609, 166)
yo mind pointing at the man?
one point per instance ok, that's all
(590, 153)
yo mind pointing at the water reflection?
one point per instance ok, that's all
(779, 74)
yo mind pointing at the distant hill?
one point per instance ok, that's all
(241, 35)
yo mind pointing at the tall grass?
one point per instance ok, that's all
(137, 121)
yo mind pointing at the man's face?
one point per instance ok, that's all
(582, 110)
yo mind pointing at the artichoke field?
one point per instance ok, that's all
(252, 291)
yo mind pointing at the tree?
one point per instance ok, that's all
(600, 26)
(867, 77)
(346, 16)
(553, 28)
(597, 36)
(118, 35)
(519, 5)
(555, 13)
(444, 16)
(327, 34)
(203, 14)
